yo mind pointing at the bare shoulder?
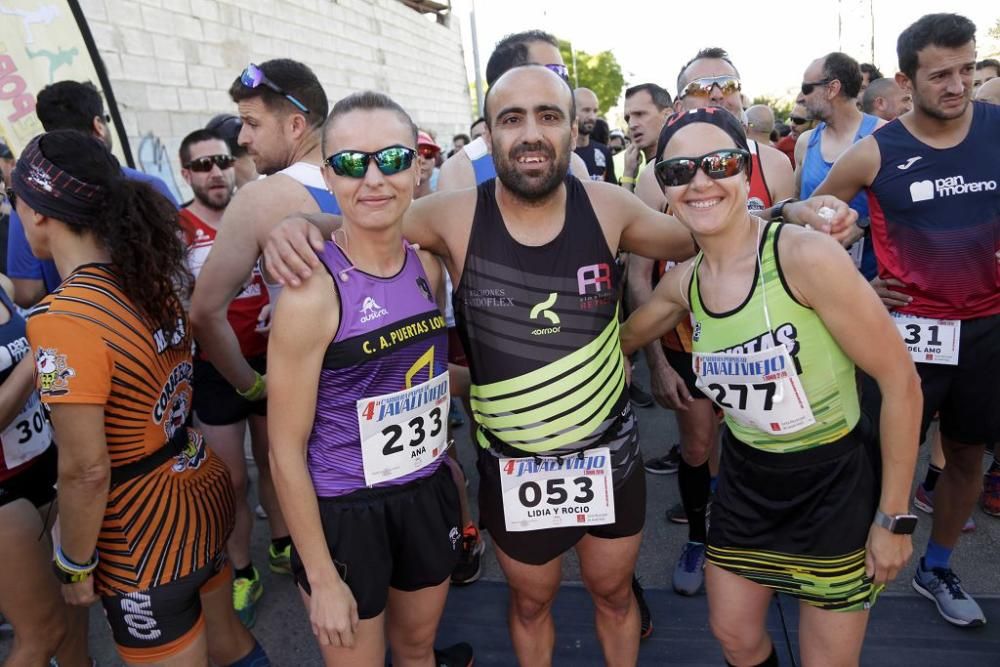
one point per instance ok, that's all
(578, 167)
(267, 201)
(314, 300)
(602, 193)
(802, 143)
(456, 173)
(811, 257)
(673, 286)
(770, 152)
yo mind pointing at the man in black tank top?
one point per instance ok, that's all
(531, 257)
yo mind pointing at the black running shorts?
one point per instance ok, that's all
(681, 362)
(152, 625)
(36, 483)
(537, 547)
(216, 402)
(797, 522)
(405, 537)
(967, 395)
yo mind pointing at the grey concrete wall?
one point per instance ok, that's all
(171, 61)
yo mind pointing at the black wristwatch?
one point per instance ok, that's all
(898, 524)
(778, 210)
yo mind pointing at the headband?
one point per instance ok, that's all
(717, 116)
(53, 192)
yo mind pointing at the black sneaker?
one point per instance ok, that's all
(668, 464)
(456, 655)
(645, 619)
(639, 396)
(470, 560)
(677, 514)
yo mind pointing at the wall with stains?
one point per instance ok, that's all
(171, 61)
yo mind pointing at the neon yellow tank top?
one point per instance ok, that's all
(826, 374)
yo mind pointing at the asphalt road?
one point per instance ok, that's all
(283, 629)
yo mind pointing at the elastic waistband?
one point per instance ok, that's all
(818, 454)
(173, 447)
(501, 448)
(381, 492)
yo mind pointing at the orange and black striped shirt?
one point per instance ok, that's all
(93, 347)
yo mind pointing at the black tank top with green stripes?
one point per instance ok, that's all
(540, 329)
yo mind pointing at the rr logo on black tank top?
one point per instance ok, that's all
(594, 285)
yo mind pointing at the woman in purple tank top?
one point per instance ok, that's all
(359, 395)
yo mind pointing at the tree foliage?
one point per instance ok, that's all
(599, 71)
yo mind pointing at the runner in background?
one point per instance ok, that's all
(112, 353)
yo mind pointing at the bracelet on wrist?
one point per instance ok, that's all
(256, 391)
(69, 566)
(628, 179)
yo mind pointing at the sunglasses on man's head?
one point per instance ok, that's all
(717, 164)
(702, 87)
(797, 120)
(353, 164)
(809, 86)
(205, 164)
(253, 76)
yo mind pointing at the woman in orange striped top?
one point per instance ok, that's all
(145, 506)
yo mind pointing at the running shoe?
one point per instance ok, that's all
(677, 514)
(456, 655)
(470, 560)
(279, 562)
(645, 618)
(246, 594)
(990, 500)
(639, 396)
(689, 573)
(943, 587)
(923, 500)
(668, 464)
(260, 512)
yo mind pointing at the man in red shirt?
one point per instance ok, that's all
(221, 412)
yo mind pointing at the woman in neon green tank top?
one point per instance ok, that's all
(780, 317)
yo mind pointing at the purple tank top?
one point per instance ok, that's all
(387, 326)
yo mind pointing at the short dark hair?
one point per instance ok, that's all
(659, 95)
(841, 67)
(989, 62)
(572, 97)
(463, 137)
(367, 100)
(947, 30)
(512, 51)
(601, 132)
(479, 120)
(69, 105)
(872, 71)
(708, 53)
(296, 79)
(196, 137)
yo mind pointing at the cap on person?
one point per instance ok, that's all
(424, 139)
(228, 126)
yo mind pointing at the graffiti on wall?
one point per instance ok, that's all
(155, 160)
